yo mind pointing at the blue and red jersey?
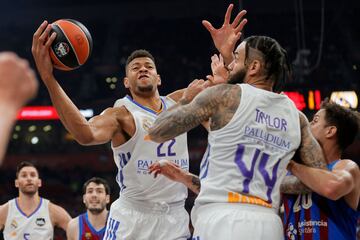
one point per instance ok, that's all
(87, 231)
(311, 216)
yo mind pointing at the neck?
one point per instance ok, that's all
(28, 202)
(153, 101)
(331, 152)
(98, 221)
(261, 83)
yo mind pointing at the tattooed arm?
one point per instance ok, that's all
(292, 185)
(311, 155)
(218, 103)
(310, 151)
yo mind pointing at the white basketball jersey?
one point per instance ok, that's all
(134, 157)
(36, 226)
(246, 160)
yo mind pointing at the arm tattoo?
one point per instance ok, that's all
(310, 151)
(184, 117)
(292, 185)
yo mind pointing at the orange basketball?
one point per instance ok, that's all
(72, 45)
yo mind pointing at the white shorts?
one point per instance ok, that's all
(226, 221)
(136, 220)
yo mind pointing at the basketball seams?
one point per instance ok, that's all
(84, 36)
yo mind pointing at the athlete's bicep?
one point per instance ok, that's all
(59, 217)
(103, 127)
(310, 151)
(3, 215)
(72, 230)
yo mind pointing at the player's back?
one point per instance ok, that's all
(37, 225)
(135, 156)
(246, 159)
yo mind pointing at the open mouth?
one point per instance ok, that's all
(143, 77)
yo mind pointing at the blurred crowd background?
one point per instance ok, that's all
(321, 37)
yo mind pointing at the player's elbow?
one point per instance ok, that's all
(85, 140)
(335, 190)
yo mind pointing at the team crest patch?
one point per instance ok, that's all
(14, 224)
(88, 235)
(40, 222)
(146, 124)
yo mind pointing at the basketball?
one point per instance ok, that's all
(72, 45)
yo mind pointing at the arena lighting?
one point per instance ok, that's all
(313, 99)
(46, 113)
(347, 99)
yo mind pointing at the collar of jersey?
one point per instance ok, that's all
(21, 211)
(91, 226)
(163, 106)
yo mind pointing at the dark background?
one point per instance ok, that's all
(321, 37)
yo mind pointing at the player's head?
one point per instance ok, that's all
(141, 74)
(260, 58)
(96, 194)
(335, 123)
(27, 179)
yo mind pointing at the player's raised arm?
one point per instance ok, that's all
(99, 129)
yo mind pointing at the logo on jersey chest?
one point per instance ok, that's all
(14, 224)
(146, 123)
(88, 235)
(40, 222)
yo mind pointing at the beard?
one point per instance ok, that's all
(29, 193)
(237, 77)
(145, 89)
(96, 210)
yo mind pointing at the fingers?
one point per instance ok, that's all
(238, 18)
(45, 35)
(153, 167)
(240, 27)
(40, 30)
(50, 40)
(208, 26)
(228, 14)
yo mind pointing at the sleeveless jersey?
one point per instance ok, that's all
(36, 226)
(246, 160)
(311, 216)
(87, 231)
(135, 156)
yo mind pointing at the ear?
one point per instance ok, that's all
(107, 199)
(254, 68)
(39, 183)
(16, 183)
(84, 198)
(159, 80)
(126, 82)
(331, 131)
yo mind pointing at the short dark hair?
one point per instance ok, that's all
(277, 66)
(138, 54)
(25, 164)
(345, 120)
(98, 181)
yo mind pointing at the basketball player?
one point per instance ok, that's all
(330, 211)
(91, 225)
(147, 208)
(30, 216)
(253, 134)
(18, 85)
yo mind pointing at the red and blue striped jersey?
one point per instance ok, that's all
(311, 216)
(87, 231)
